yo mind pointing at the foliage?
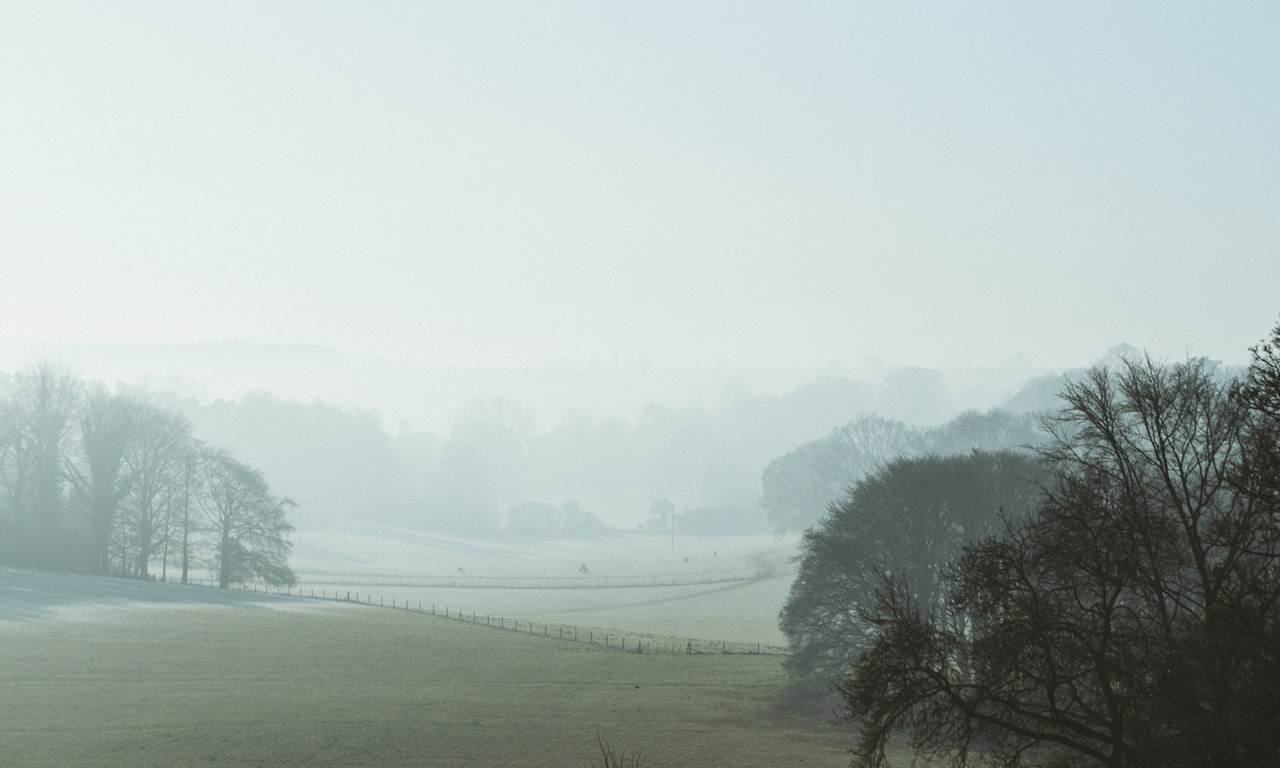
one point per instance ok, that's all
(905, 522)
(1134, 620)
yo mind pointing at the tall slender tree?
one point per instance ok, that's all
(191, 487)
(36, 424)
(154, 460)
(97, 472)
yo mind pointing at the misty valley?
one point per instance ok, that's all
(639, 384)
(768, 580)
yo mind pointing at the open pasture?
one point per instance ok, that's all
(707, 588)
(332, 684)
(744, 612)
(351, 548)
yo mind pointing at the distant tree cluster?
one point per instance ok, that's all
(707, 461)
(800, 486)
(1115, 602)
(495, 471)
(566, 520)
(103, 483)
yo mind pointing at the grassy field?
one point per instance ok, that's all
(716, 596)
(741, 613)
(347, 547)
(324, 684)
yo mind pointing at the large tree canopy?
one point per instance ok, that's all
(249, 532)
(1133, 621)
(908, 521)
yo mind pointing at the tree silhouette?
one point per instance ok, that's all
(907, 521)
(246, 523)
(1132, 621)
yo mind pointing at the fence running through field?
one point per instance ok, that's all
(632, 642)
(533, 582)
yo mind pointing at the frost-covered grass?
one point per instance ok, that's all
(109, 672)
(38, 595)
(333, 684)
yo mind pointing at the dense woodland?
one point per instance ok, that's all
(1109, 598)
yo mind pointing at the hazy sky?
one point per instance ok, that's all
(789, 183)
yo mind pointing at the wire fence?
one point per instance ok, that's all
(632, 642)
(532, 582)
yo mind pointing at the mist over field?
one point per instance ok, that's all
(638, 385)
(610, 441)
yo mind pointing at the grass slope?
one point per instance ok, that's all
(322, 684)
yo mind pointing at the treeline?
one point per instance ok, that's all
(1111, 598)
(800, 485)
(495, 469)
(107, 483)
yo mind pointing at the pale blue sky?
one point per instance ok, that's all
(764, 184)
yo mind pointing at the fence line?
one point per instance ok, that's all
(529, 582)
(631, 642)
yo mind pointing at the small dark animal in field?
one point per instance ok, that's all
(583, 569)
(462, 571)
(686, 561)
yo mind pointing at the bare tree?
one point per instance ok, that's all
(192, 484)
(153, 460)
(245, 523)
(1133, 621)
